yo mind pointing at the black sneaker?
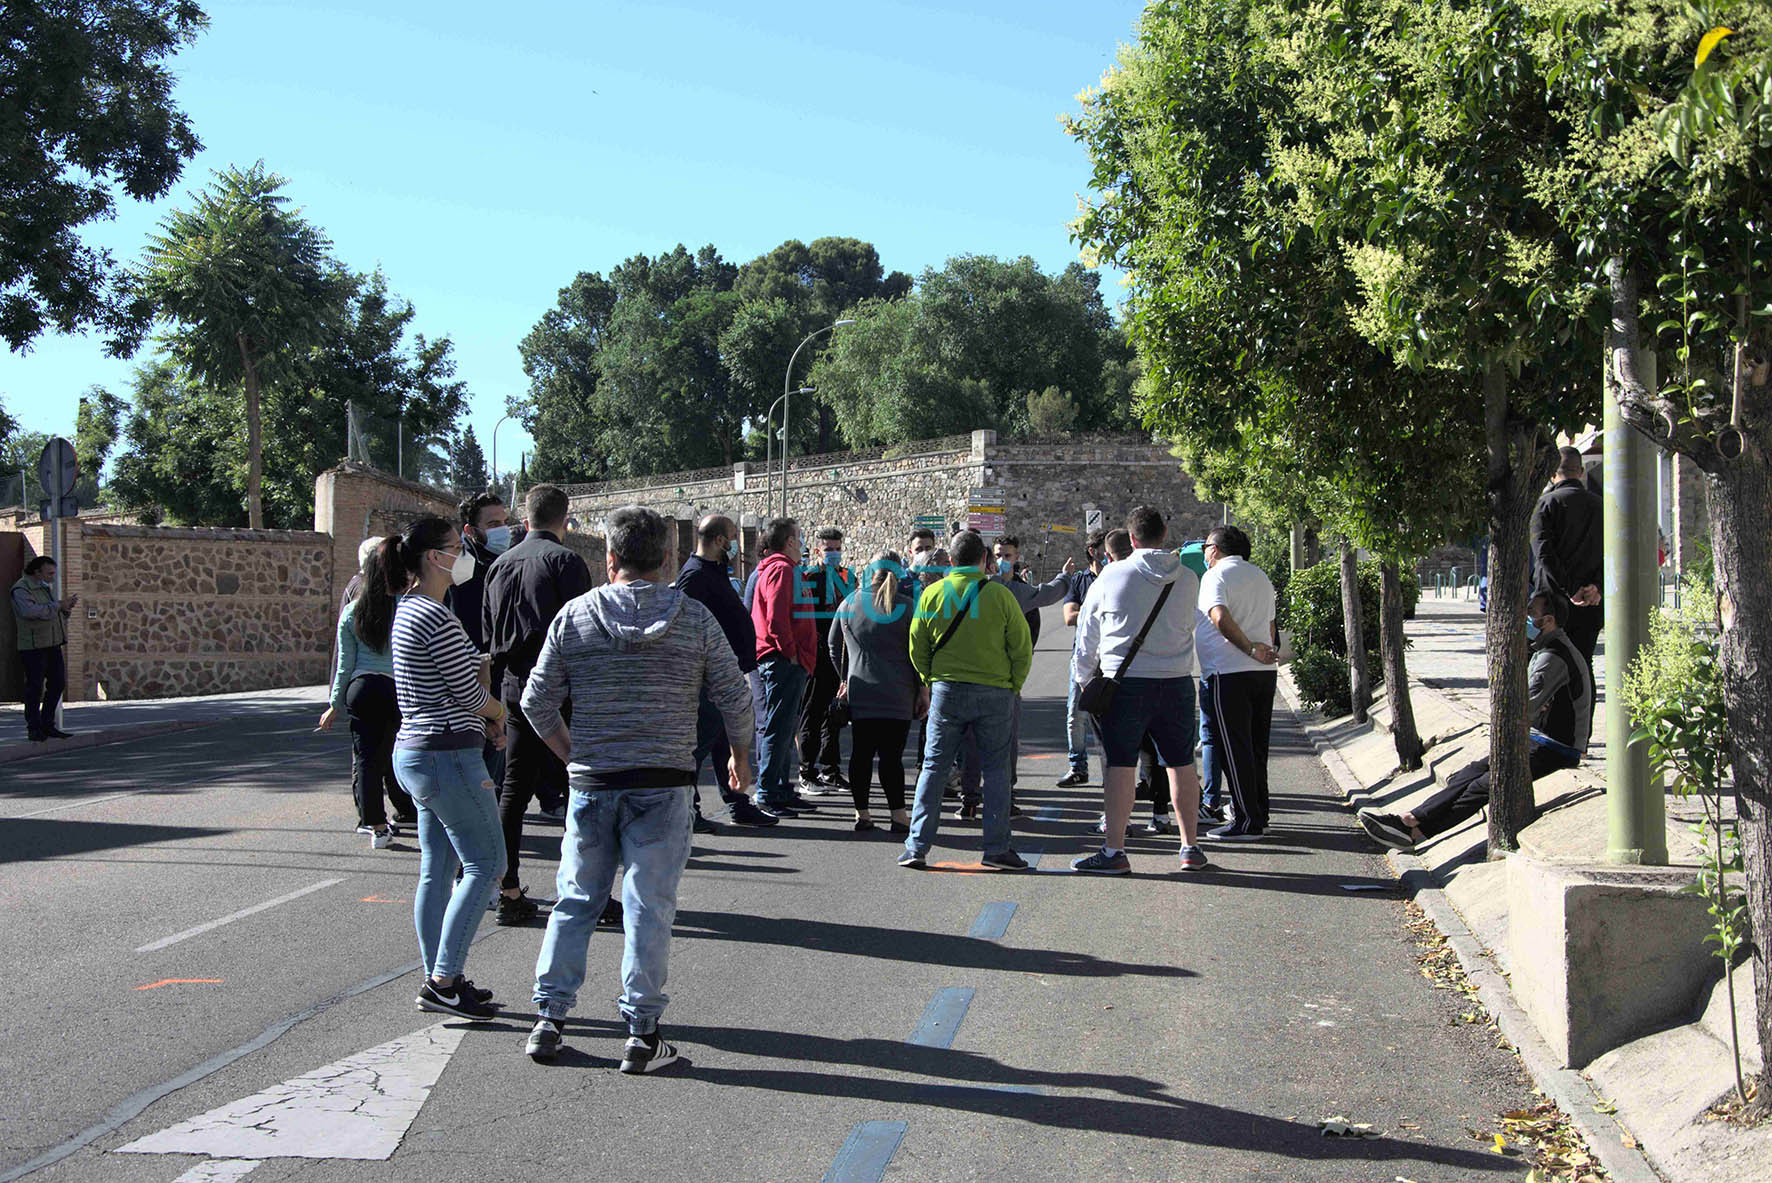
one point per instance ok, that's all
(775, 813)
(1102, 863)
(1236, 832)
(406, 819)
(34, 735)
(704, 826)
(1160, 823)
(744, 813)
(647, 1053)
(914, 862)
(57, 733)
(833, 781)
(1008, 860)
(802, 804)
(454, 1001)
(612, 914)
(473, 991)
(1387, 829)
(544, 1041)
(517, 909)
(968, 810)
(812, 786)
(1072, 779)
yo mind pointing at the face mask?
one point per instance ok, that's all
(462, 569)
(498, 539)
(1532, 629)
(833, 558)
(732, 548)
(1005, 567)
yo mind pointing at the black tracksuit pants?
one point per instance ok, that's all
(375, 719)
(884, 739)
(1239, 711)
(1467, 791)
(532, 772)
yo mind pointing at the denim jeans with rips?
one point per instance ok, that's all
(648, 831)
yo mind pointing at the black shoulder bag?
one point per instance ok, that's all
(1097, 694)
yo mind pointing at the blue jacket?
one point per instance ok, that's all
(711, 584)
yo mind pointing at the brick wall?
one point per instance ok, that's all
(353, 502)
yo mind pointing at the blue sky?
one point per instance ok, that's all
(483, 155)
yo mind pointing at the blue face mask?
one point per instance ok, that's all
(498, 539)
(1005, 566)
(1532, 629)
(732, 548)
(833, 558)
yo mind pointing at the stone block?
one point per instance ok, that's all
(1603, 955)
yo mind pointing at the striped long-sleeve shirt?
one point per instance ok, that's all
(436, 677)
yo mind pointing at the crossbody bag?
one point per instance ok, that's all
(1097, 694)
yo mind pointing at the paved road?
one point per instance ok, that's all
(1152, 1027)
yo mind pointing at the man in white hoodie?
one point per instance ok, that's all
(1153, 593)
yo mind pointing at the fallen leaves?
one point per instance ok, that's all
(1543, 1135)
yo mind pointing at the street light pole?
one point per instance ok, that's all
(786, 383)
(494, 473)
(769, 447)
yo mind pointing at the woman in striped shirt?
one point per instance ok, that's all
(446, 715)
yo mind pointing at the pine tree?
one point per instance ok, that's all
(467, 463)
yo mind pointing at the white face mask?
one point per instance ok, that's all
(462, 569)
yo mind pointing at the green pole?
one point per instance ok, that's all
(1636, 808)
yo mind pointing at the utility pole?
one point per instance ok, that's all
(1636, 806)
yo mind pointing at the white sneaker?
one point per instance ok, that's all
(365, 829)
(381, 840)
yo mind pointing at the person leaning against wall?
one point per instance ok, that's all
(42, 642)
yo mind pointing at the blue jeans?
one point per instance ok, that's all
(782, 682)
(457, 825)
(648, 831)
(1211, 771)
(1076, 726)
(956, 708)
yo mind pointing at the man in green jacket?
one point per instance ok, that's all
(42, 632)
(970, 644)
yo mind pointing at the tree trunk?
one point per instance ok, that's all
(255, 461)
(1396, 672)
(1740, 507)
(1296, 554)
(1516, 460)
(1353, 627)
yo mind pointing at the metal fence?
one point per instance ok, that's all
(388, 444)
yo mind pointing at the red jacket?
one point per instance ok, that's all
(784, 626)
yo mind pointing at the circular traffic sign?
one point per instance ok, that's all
(47, 468)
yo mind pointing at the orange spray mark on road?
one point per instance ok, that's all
(375, 899)
(181, 982)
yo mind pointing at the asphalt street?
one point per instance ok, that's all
(189, 920)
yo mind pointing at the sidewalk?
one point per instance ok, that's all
(1662, 1084)
(95, 723)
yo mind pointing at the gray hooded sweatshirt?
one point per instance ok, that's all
(1117, 606)
(633, 658)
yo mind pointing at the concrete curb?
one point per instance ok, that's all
(1567, 1087)
(14, 753)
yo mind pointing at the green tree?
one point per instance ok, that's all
(185, 462)
(86, 104)
(245, 287)
(563, 413)
(467, 464)
(1050, 411)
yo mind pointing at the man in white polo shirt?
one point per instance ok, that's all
(1234, 637)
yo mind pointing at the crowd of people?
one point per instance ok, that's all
(483, 670)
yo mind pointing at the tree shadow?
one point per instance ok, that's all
(910, 945)
(30, 839)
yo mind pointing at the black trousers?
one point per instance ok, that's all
(1153, 778)
(46, 679)
(882, 739)
(375, 719)
(712, 745)
(818, 735)
(1239, 710)
(1467, 791)
(1585, 623)
(532, 771)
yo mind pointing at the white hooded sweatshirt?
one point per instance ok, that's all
(1117, 607)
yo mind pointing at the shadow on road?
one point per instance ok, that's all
(29, 838)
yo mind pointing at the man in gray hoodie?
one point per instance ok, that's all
(1137, 627)
(633, 657)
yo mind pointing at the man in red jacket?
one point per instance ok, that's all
(787, 653)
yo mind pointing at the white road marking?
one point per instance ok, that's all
(359, 1107)
(219, 1170)
(188, 933)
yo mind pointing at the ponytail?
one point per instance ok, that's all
(383, 581)
(887, 566)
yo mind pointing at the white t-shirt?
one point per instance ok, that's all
(1241, 588)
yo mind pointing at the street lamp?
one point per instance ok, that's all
(494, 473)
(786, 381)
(769, 445)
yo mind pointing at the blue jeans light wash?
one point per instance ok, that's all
(648, 830)
(1076, 726)
(778, 721)
(956, 708)
(457, 825)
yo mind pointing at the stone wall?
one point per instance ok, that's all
(353, 502)
(875, 497)
(171, 611)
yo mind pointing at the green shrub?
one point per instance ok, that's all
(1311, 607)
(1271, 550)
(1322, 680)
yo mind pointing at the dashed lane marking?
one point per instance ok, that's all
(993, 921)
(942, 1017)
(181, 982)
(242, 914)
(867, 1152)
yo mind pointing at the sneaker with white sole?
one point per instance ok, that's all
(1007, 860)
(1103, 863)
(455, 1000)
(1193, 859)
(1387, 829)
(1235, 832)
(544, 1040)
(912, 861)
(647, 1053)
(1160, 823)
(381, 839)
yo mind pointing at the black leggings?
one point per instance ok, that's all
(375, 718)
(884, 738)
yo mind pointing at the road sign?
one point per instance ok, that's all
(1094, 518)
(987, 501)
(69, 507)
(57, 469)
(1055, 528)
(932, 521)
